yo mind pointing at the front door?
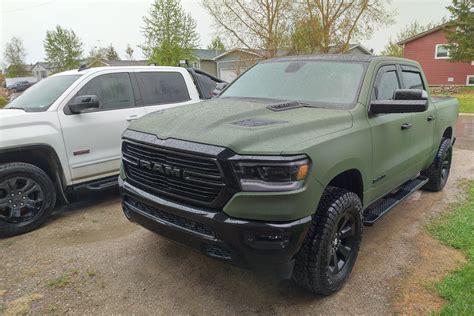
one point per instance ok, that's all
(390, 138)
(93, 138)
(423, 130)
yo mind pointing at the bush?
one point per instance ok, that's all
(3, 102)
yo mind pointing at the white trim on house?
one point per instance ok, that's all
(235, 50)
(436, 52)
(468, 79)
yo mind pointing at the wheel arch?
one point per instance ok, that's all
(42, 156)
(351, 180)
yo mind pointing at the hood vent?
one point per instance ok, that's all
(253, 122)
(285, 106)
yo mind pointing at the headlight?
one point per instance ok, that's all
(271, 174)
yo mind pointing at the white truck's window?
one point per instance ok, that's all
(162, 87)
(113, 90)
(41, 95)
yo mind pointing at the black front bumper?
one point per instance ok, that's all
(268, 247)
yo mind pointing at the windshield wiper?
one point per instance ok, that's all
(15, 108)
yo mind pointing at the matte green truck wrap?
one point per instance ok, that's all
(287, 155)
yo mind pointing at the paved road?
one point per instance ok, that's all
(92, 260)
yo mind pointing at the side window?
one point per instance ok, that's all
(162, 87)
(113, 90)
(387, 83)
(412, 80)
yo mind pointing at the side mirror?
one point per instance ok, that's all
(219, 87)
(83, 102)
(404, 101)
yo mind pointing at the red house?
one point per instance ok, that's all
(430, 50)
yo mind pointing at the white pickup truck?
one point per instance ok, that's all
(64, 133)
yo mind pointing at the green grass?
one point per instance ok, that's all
(59, 282)
(456, 229)
(466, 102)
(3, 102)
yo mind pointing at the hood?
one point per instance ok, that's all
(10, 112)
(242, 126)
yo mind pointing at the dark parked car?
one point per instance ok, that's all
(20, 86)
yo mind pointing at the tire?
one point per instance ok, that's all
(27, 198)
(314, 268)
(438, 172)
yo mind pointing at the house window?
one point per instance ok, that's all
(442, 51)
(470, 80)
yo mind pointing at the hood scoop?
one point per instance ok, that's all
(283, 106)
(253, 122)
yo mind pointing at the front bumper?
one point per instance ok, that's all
(269, 247)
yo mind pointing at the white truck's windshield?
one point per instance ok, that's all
(39, 97)
(318, 82)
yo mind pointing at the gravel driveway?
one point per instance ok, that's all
(91, 260)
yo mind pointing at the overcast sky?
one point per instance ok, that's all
(118, 22)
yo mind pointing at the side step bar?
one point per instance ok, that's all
(98, 185)
(382, 207)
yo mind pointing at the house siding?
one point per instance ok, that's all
(208, 66)
(437, 70)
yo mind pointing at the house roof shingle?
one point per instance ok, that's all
(427, 32)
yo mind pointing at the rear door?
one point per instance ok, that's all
(423, 123)
(160, 90)
(390, 137)
(93, 138)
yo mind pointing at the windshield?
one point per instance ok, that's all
(317, 82)
(40, 96)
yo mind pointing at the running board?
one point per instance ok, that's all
(98, 185)
(373, 214)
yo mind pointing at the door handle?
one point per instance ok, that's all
(430, 118)
(406, 126)
(132, 118)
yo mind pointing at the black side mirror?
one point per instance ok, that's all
(404, 101)
(219, 87)
(83, 102)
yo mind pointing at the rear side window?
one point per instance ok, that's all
(412, 80)
(162, 87)
(387, 85)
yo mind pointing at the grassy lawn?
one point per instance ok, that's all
(456, 229)
(466, 99)
(466, 102)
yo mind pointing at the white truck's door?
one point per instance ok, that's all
(93, 138)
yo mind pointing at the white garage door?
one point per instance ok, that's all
(229, 74)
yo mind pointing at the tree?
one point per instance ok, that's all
(170, 33)
(216, 44)
(306, 33)
(15, 54)
(63, 49)
(460, 31)
(338, 22)
(96, 55)
(111, 53)
(129, 52)
(261, 25)
(393, 49)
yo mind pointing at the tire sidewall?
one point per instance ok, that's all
(336, 282)
(40, 177)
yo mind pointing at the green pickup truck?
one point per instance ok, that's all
(281, 171)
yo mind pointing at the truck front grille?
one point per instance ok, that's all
(177, 175)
